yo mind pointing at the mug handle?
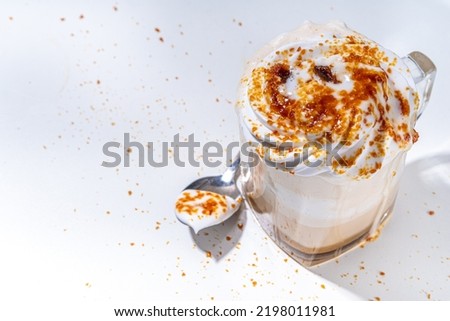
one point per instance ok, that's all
(423, 72)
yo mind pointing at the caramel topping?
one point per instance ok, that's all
(324, 72)
(404, 105)
(300, 98)
(282, 72)
(276, 76)
(210, 203)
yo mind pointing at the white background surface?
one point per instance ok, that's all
(67, 224)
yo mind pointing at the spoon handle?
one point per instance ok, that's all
(232, 171)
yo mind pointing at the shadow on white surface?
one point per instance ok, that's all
(220, 239)
(411, 258)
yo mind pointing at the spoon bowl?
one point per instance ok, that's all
(211, 200)
(224, 184)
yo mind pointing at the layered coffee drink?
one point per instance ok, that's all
(326, 117)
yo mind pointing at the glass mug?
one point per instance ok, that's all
(317, 218)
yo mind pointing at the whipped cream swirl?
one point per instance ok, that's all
(324, 88)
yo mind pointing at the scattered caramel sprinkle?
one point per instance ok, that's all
(240, 226)
(81, 16)
(382, 273)
(322, 286)
(228, 238)
(377, 298)
(431, 213)
(208, 254)
(161, 39)
(254, 283)
(157, 29)
(130, 193)
(132, 244)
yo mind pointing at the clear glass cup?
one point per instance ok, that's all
(317, 218)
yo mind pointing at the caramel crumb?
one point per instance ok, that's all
(98, 82)
(115, 8)
(132, 244)
(228, 238)
(208, 254)
(157, 30)
(161, 39)
(62, 19)
(130, 193)
(240, 226)
(382, 273)
(254, 283)
(377, 298)
(322, 286)
(431, 213)
(81, 16)
(415, 137)
(183, 274)
(324, 73)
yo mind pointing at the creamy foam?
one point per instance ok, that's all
(329, 84)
